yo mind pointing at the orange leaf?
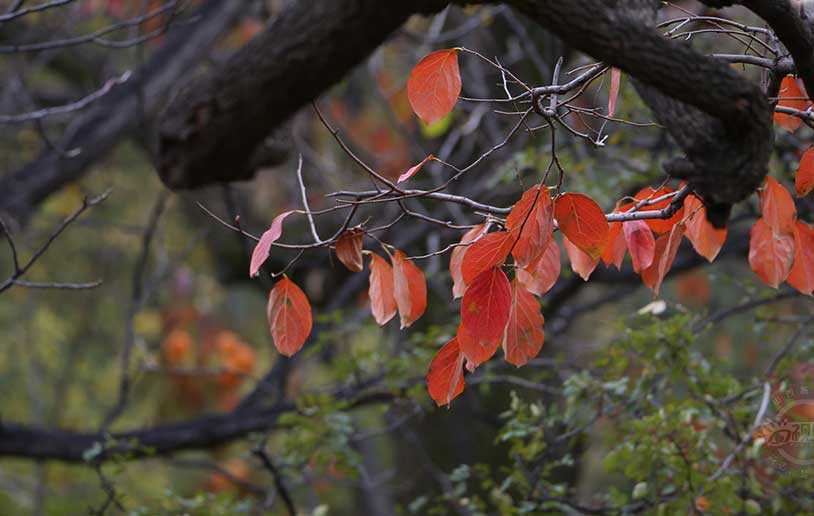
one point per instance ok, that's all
(583, 222)
(581, 263)
(485, 311)
(640, 242)
(616, 77)
(263, 247)
(349, 249)
(777, 207)
(457, 257)
(706, 239)
(541, 275)
(414, 169)
(410, 289)
(434, 85)
(533, 213)
(524, 331)
(770, 253)
(658, 225)
(804, 181)
(445, 379)
(289, 315)
(382, 299)
(801, 276)
(792, 97)
(614, 253)
(666, 249)
(490, 251)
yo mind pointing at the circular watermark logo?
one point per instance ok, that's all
(789, 435)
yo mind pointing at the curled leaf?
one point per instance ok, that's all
(414, 169)
(640, 242)
(263, 247)
(381, 291)
(349, 249)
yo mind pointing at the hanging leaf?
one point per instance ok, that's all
(434, 85)
(649, 193)
(289, 315)
(484, 313)
(581, 263)
(583, 222)
(541, 275)
(381, 291)
(614, 253)
(777, 207)
(640, 242)
(414, 169)
(533, 208)
(790, 96)
(524, 331)
(263, 247)
(476, 348)
(706, 239)
(490, 251)
(349, 249)
(666, 249)
(615, 80)
(457, 257)
(804, 180)
(410, 289)
(770, 253)
(445, 379)
(801, 275)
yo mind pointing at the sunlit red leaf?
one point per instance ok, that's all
(485, 309)
(804, 180)
(457, 257)
(541, 275)
(533, 208)
(434, 85)
(349, 249)
(648, 193)
(666, 249)
(640, 242)
(524, 330)
(489, 251)
(801, 275)
(381, 291)
(705, 238)
(777, 207)
(581, 263)
(614, 253)
(263, 247)
(770, 253)
(445, 379)
(583, 222)
(792, 97)
(615, 80)
(414, 169)
(410, 289)
(289, 315)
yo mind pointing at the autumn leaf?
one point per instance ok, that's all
(666, 249)
(475, 348)
(705, 238)
(583, 222)
(381, 291)
(581, 263)
(649, 193)
(801, 275)
(289, 315)
(790, 96)
(484, 312)
(410, 289)
(414, 169)
(777, 207)
(349, 249)
(434, 85)
(456, 259)
(804, 180)
(533, 208)
(524, 335)
(770, 253)
(263, 247)
(489, 251)
(445, 379)
(614, 253)
(541, 275)
(615, 80)
(640, 242)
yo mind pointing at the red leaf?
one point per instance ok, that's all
(777, 207)
(485, 310)
(541, 275)
(614, 253)
(414, 169)
(533, 208)
(801, 276)
(583, 222)
(706, 239)
(457, 257)
(349, 249)
(263, 247)
(410, 289)
(434, 85)
(445, 379)
(666, 249)
(648, 193)
(640, 242)
(770, 253)
(804, 181)
(581, 263)
(289, 315)
(616, 77)
(381, 291)
(476, 349)
(792, 97)
(490, 251)
(524, 331)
